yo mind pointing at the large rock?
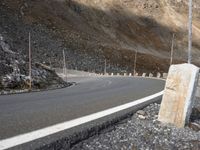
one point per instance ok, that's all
(179, 94)
(195, 126)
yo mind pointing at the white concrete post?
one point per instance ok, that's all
(150, 75)
(105, 67)
(179, 94)
(158, 75)
(144, 75)
(165, 75)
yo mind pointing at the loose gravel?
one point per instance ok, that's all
(143, 131)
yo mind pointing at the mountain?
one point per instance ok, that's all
(91, 31)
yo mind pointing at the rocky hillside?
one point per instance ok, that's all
(13, 72)
(91, 31)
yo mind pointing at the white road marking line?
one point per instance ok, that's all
(31, 136)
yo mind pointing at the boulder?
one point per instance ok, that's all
(195, 126)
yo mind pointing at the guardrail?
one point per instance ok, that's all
(72, 73)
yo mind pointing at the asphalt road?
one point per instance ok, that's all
(23, 113)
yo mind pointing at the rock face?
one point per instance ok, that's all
(179, 94)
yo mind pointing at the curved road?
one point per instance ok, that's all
(23, 113)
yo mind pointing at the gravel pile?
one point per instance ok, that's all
(143, 131)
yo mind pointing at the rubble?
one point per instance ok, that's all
(144, 134)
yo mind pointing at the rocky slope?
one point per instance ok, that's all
(143, 131)
(92, 31)
(14, 77)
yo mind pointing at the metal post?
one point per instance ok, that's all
(190, 33)
(172, 50)
(50, 63)
(105, 70)
(64, 66)
(135, 63)
(30, 69)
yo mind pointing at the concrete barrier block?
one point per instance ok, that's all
(165, 75)
(144, 75)
(158, 75)
(179, 94)
(150, 75)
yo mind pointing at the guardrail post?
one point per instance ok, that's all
(165, 75)
(144, 75)
(150, 75)
(158, 75)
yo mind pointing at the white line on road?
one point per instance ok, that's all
(31, 136)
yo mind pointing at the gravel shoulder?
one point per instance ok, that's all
(143, 131)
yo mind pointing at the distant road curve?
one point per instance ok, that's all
(28, 112)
